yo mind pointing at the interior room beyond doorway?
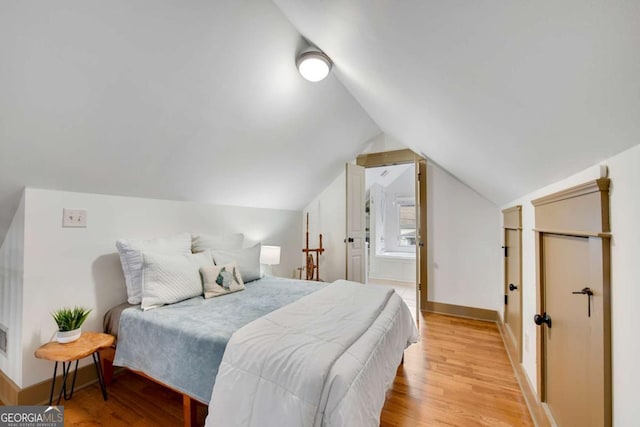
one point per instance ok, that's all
(391, 223)
(391, 228)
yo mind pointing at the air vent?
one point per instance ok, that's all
(3, 339)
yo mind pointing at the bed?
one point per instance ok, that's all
(182, 345)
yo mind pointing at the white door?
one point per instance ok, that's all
(355, 238)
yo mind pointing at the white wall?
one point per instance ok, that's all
(625, 271)
(11, 277)
(383, 142)
(464, 252)
(69, 266)
(328, 215)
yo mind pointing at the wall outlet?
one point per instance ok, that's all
(74, 217)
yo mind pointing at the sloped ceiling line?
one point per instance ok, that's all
(506, 96)
(196, 101)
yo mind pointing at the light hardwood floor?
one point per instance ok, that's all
(458, 375)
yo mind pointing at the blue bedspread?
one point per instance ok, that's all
(182, 344)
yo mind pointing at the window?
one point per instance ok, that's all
(407, 223)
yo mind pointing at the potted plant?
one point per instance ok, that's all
(69, 322)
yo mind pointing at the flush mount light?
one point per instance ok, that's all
(313, 65)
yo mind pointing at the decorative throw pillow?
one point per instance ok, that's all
(247, 260)
(221, 279)
(202, 242)
(171, 278)
(131, 258)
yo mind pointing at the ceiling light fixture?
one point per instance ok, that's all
(313, 65)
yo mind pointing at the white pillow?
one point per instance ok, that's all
(221, 279)
(247, 260)
(131, 258)
(171, 278)
(202, 242)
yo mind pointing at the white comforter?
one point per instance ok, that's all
(324, 360)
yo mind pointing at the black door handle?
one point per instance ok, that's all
(586, 291)
(512, 287)
(539, 320)
(350, 240)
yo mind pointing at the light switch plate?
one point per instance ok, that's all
(74, 217)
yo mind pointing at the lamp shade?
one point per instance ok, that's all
(314, 65)
(270, 255)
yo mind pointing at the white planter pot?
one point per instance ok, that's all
(68, 336)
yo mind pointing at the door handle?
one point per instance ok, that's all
(589, 293)
(350, 240)
(539, 320)
(512, 287)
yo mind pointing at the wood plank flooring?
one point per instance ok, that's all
(458, 375)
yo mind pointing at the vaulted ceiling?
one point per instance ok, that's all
(183, 100)
(506, 95)
(200, 100)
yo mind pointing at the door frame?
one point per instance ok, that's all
(512, 220)
(401, 157)
(581, 211)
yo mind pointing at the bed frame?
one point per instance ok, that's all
(189, 404)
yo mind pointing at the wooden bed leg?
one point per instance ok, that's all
(189, 411)
(106, 359)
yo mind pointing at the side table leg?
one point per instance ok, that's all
(63, 389)
(73, 383)
(53, 383)
(66, 367)
(96, 361)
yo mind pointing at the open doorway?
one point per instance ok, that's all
(357, 250)
(391, 229)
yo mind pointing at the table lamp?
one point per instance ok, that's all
(269, 255)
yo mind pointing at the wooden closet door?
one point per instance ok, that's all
(513, 314)
(574, 365)
(573, 339)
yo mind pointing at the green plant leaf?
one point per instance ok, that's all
(69, 319)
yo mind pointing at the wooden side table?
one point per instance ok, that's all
(89, 344)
